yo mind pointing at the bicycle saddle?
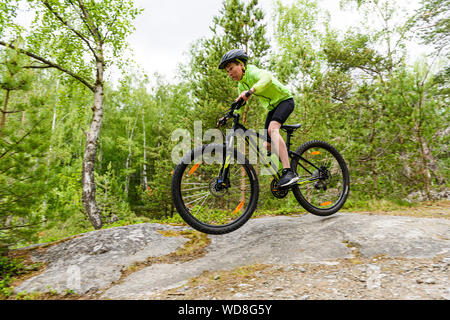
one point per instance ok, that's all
(290, 127)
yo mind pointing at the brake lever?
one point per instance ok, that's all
(222, 121)
(234, 106)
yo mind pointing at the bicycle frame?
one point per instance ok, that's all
(266, 161)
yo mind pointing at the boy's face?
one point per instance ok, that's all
(235, 71)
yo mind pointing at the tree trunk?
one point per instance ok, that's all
(128, 162)
(424, 150)
(144, 169)
(90, 152)
(425, 155)
(5, 106)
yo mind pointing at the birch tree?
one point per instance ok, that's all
(80, 38)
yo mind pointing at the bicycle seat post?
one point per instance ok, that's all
(288, 140)
(290, 132)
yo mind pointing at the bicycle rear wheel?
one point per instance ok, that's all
(204, 201)
(324, 182)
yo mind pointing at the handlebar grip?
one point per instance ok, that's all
(236, 105)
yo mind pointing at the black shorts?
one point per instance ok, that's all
(279, 114)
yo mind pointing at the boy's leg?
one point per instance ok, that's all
(279, 116)
(278, 143)
(274, 121)
(267, 144)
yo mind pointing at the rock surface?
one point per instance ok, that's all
(96, 259)
(328, 253)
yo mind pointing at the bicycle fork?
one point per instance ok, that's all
(223, 180)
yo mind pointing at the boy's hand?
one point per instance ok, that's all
(244, 95)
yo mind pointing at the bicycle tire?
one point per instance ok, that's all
(185, 213)
(306, 204)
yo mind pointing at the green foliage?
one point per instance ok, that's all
(23, 142)
(434, 23)
(63, 207)
(238, 25)
(297, 61)
(10, 269)
(8, 11)
(111, 198)
(66, 31)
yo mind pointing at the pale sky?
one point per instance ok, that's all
(165, 30)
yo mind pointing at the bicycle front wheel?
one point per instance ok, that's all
(207, 203)
(324, 181)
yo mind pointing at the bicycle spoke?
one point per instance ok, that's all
(240, 191)
(198, 199)
(207, 204)
(196, 183)
(206, 197)
(199, 188)
(197, 194)
(325, 187)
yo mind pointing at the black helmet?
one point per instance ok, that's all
(233, 55)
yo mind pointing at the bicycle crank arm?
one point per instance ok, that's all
(307, 181)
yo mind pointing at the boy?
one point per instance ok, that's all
(273, 95)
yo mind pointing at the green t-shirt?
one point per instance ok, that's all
(268, 89)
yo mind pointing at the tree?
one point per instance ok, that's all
(298, 39)
(23, 142)
(238, 25)
(434, 23)
(389, 128)
(64, 34)
(433, 26)
(299, 60)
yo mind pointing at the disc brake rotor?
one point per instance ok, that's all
(216, 188)
(324, 178)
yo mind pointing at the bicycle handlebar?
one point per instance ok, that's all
(234, 106)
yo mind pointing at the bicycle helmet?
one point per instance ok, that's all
(233, 55)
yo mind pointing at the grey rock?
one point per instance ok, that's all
(297, 240)
(96, 259)
(421, 195)
(240, 295)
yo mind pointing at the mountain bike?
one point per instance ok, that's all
(215, 188)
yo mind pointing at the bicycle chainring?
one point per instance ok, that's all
(277, 192)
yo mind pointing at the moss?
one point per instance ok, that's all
(192, 249)
(225, 278)
(354, 246)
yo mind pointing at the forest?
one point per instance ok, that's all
(79, 152)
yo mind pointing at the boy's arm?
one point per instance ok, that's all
(265, 79)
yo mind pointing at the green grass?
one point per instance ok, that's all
(10, 268)
(376, 204)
